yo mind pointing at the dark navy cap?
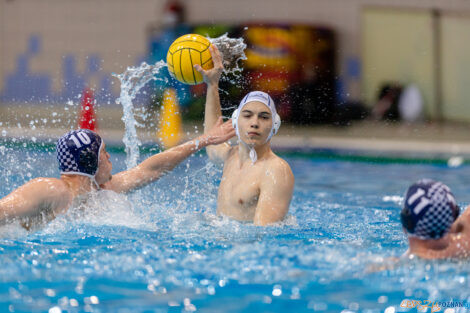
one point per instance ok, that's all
(78, 152)
(429, 210)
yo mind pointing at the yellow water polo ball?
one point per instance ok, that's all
(184, 53)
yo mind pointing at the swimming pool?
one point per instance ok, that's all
(163, 249)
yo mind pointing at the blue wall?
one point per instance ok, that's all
(24, 85)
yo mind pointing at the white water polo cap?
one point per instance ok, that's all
(264, 98)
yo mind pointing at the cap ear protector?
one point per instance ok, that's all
(235, 119)
(276, 123)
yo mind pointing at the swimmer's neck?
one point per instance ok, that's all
(78, 184)
(421, 246)
(262, 151)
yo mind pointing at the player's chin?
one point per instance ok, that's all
(253, 141)
(259, 138)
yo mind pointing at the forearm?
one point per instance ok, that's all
(167, 160)
(213, 110)
(159, 164)
(153, 167)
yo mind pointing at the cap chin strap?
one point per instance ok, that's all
(274, 128)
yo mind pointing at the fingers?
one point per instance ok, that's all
(227, 123)
(199, 69)
(231, 133)
(219, 121)
(229, 129)
(216, 56)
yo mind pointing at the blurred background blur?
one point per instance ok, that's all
(366, 65)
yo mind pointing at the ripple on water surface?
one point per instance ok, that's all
(165, 249)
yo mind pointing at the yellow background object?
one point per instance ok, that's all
(184, 53)
(170, 129)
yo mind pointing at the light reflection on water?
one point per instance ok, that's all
(167, 250)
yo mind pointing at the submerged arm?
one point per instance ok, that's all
(159, 164)
(275, 195)
(213, 111)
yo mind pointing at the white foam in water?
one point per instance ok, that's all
(99, 208)
(394, 198)
(455, 161)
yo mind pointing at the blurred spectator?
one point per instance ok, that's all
(398, 103)
(386, 107)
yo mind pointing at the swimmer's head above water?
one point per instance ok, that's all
(81, 152)
(256, 120)
(429, 210)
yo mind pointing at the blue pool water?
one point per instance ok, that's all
(163, 249)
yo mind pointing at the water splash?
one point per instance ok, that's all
(233, 51)
(132, 80)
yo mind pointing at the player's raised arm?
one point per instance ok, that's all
(217, 153)
(159, 164)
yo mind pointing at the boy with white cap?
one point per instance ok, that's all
(256, 184)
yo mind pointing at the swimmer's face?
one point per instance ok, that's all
(105, 166)
(255, 123)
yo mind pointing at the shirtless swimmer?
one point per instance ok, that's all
(431, 221)
(85, 166)
(256, 184)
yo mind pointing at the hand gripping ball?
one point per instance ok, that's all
(184, 53)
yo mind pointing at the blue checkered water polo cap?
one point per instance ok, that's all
(429, 210)
(78, 152)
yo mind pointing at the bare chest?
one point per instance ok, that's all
(239, 191)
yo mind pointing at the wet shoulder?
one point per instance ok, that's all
(49, 187)
(278, 170)
(49, 182)
(280, 166)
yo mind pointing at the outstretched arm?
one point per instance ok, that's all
(159, 164)
(216, 153)
(275, 195)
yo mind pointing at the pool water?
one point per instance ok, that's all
(163, 249)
